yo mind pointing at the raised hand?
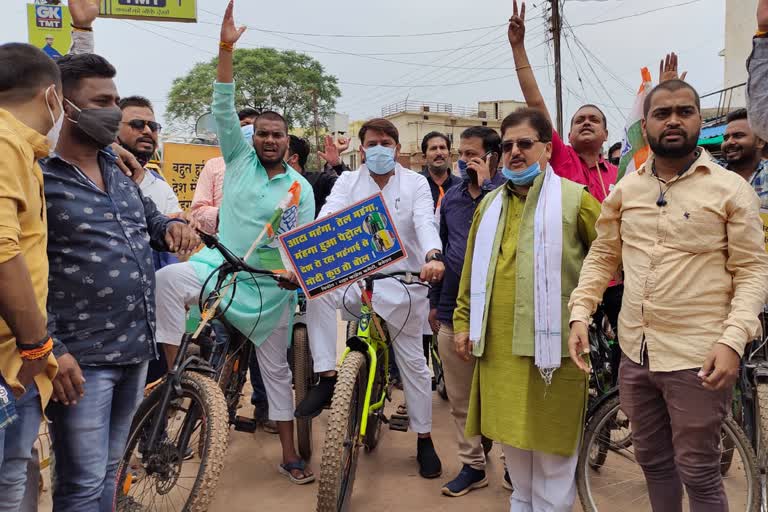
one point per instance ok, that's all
(83, 12)
(516, 30)
(668, 69)
(230, 34)
(331, 153)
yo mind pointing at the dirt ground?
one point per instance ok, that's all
(387, 479)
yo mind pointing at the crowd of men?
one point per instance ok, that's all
(520, 245)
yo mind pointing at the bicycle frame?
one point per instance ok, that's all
(369, 340)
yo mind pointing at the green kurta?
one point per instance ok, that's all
(509, 402)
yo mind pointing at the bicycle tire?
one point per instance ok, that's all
(611, 408)
(351, 328)
(336, 481)
(762, 405)
(205, 393)
(302, 379)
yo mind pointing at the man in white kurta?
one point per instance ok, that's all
(409, 201)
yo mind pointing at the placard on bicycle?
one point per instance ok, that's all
(343, 247)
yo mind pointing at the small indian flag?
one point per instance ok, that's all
(634, 147)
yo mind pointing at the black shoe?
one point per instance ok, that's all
(318, 397)
(429, 463)
(468, 479)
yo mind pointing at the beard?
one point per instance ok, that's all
(666, 150)
(439, 169)
(143, 157)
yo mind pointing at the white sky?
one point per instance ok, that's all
(149, 55)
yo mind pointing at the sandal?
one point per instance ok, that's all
(299, 465)
(402, 409)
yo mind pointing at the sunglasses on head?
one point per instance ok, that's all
(139, 124)
(524, 144)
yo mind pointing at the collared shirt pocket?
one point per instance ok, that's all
(696, 231)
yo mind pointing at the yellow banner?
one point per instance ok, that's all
(49, 28)
(764, 216)
(158, 10)
(182, 165)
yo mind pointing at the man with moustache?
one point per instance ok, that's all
(743, 154)
(436, 148)
(101, 296)
(689, 236)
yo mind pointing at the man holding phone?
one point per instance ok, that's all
(479, 153)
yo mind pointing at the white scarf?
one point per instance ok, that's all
(548, 251)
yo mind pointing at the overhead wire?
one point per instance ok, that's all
(436, 80)
(628, 16)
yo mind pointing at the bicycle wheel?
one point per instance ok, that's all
(762, 405)
(303, 377)
(351, 328)
(163, 480)
(342, 437)
(621, 480)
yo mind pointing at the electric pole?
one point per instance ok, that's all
(317, 119)
(556, 31)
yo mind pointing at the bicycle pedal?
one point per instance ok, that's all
(244, 424)
(399, 422)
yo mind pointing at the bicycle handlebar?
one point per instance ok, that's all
(237, 264)
(411, 276)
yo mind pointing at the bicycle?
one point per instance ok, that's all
(191, 409)
(304, 376)
(357, 409)
(607, 470)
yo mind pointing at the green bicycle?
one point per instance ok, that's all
(357, 410)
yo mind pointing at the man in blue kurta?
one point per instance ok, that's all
(257, 179)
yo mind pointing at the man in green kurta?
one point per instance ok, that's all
(526, 247)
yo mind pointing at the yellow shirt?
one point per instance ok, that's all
(696, 270)
(23, 230)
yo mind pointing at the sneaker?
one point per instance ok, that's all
(318, 398)
(507, 483)
(429, 463)
(468, 479)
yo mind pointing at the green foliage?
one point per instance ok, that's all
(265, 79)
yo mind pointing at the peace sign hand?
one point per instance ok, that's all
(516, 30)
(229, 33)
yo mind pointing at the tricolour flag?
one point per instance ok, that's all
(634, 147)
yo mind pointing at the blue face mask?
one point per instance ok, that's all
(248, 131)
(522, 178)
(462, 165)
(380, 159)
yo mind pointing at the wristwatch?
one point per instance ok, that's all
(436, 256)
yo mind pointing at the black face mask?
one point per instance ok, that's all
(615, 161)
(99, 124)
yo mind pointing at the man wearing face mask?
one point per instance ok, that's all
(101, 311)
(525, 248)
(409, 201)
(30, 108)
(479, 155)
(743, 154)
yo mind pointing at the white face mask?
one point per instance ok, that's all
(55, 131)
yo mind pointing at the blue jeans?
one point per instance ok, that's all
(89, 438)
(16, 443)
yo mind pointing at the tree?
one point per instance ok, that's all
(265, 79)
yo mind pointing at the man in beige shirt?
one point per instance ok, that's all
(689, 236)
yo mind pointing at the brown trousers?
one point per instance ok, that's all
(676, 426)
